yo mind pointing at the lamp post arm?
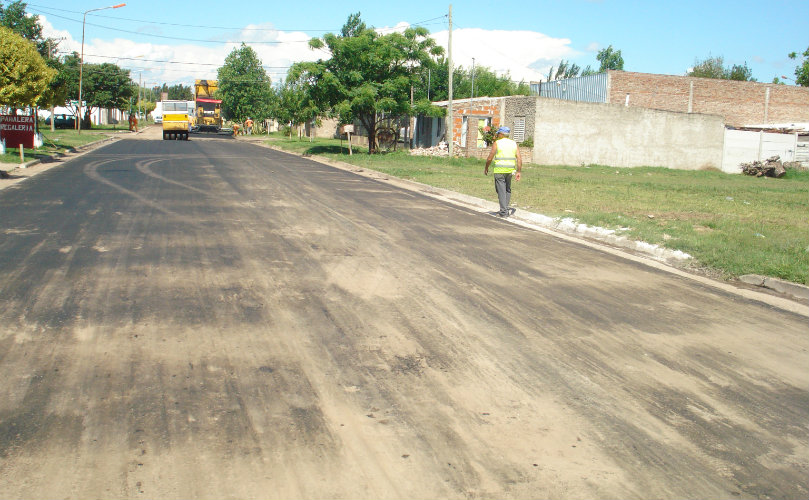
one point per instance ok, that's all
(81, 61)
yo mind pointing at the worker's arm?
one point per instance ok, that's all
(519, 164)
(490, 158)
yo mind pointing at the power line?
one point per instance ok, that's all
(117, 18)
(198, 40)
(45, 12)
(165, 61)
(171, 24)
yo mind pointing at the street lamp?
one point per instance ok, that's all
(81, 61)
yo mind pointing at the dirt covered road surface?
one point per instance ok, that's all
(212, 319)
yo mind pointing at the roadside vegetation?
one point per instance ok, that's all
(731, 224)
(60, 141)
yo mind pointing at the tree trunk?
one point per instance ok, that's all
(369, 122)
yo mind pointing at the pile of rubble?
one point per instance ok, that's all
(440, 150)
(773, 167)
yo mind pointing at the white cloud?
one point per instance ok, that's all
(525, 55)
(201, 60)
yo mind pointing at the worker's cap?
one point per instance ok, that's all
(503, 130)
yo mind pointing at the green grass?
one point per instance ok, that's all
(58, 141)
(731, 224)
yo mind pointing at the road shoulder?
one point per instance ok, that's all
(789, 298)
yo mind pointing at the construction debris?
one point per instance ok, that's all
(440, 150)
(773, 167)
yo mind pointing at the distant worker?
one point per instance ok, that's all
(132, 123)
(235, 129)
(506, 156)
(248, 126)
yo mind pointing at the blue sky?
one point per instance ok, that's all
(521, 38)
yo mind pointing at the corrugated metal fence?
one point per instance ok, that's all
(591, 88)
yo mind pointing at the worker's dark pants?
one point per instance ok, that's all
(502, 184)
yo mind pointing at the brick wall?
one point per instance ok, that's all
(739, 103)
(481, 107)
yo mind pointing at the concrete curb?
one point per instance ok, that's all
(787, 288)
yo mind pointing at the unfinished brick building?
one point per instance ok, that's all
(738, 103)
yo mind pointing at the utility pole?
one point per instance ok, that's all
(473, 78)
(81, 61)
(450, 121)
(50, 56)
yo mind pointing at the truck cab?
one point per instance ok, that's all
(176, 123)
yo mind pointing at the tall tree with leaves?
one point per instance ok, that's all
(369, 76)
(103, 86)
(24, 76)
(295, 104)
(178, 92)
(56, 93)
(566, 69)
(106, 86)
(714, 67)
(244, 86)
(802, 71)
(15, 18)
(487, 83)
(610, 59)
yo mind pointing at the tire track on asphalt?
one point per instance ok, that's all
(91, 170)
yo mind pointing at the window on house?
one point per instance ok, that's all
(482, 124)
(519, 129)
(464, 128)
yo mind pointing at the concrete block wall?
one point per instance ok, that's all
(520, 107)
(576, 133)
(739, 103)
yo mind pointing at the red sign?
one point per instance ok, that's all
(16, 130)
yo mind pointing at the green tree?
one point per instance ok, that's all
(610, 59)
(180, 92)
(487, 83)
(295, 105)
(56, 93)
(711, 67)
(714, 67)
(741, 73)
(802, 71)
(564, 70)
(14, 17)
(369, 76)
(103, 86)
(106, 86)
(24, 76)
(244, 86)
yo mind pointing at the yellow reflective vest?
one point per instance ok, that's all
(505, 159)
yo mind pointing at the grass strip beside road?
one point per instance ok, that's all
(731, 224)
(57, 141)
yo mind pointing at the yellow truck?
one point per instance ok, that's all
(208, 110)
(176, 123)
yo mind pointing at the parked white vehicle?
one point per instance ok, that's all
(158, 112)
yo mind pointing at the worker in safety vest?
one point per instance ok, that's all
(507, 164)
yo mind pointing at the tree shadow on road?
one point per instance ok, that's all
(323, 149)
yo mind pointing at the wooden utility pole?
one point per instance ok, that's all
(450, 121)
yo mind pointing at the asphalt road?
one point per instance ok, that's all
(212, 319)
